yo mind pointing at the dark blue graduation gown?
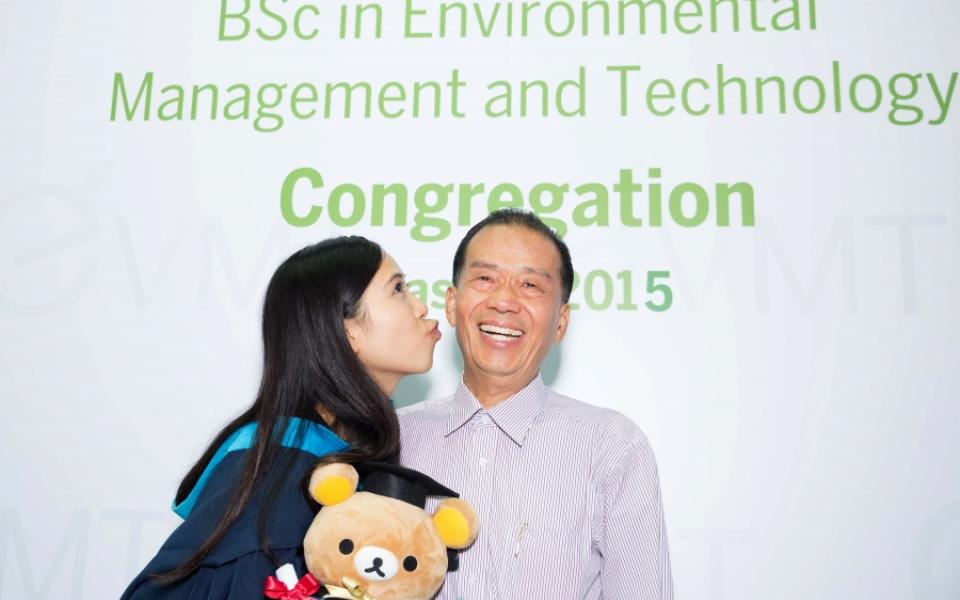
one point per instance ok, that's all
(237, 567)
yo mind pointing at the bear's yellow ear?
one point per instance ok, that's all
(332, 484)
(456, 522)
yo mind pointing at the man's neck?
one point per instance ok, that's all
(491, 391)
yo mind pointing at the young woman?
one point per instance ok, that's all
(340, 329)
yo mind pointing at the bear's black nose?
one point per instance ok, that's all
(377, 563)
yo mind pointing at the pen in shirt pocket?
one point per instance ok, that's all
(520, 533)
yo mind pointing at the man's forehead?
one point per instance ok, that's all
(513, 247)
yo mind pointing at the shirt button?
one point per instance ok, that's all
(483, 462)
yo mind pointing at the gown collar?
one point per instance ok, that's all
(301, 434)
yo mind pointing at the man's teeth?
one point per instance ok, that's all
(502, 333)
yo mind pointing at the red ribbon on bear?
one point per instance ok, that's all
(278, 590)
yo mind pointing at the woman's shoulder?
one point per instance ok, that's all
(280, 497)
(287, 516)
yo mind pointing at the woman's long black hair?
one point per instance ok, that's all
(308, 363)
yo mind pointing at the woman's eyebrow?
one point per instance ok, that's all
(393, 278)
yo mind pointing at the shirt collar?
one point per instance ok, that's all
(514, 416)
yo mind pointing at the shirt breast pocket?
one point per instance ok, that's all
(543, 563)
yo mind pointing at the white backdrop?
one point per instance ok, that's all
(800, 391)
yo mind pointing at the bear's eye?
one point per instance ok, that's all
(410, 563)
(346, 546)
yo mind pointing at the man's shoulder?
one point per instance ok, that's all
(437, 409)
(422, 425)
(558, 408)
(606, 421)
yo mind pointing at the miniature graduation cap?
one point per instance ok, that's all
(408, 485)
(394, 481)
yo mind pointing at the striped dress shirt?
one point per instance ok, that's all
(567, 495)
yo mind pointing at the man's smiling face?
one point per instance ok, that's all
(507, 307)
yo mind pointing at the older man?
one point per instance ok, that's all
(567, 493)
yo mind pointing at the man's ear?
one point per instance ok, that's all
(562, 323)
(451, 306)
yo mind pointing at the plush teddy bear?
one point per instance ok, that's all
(380, 543)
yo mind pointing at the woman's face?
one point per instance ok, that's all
(391, 334)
